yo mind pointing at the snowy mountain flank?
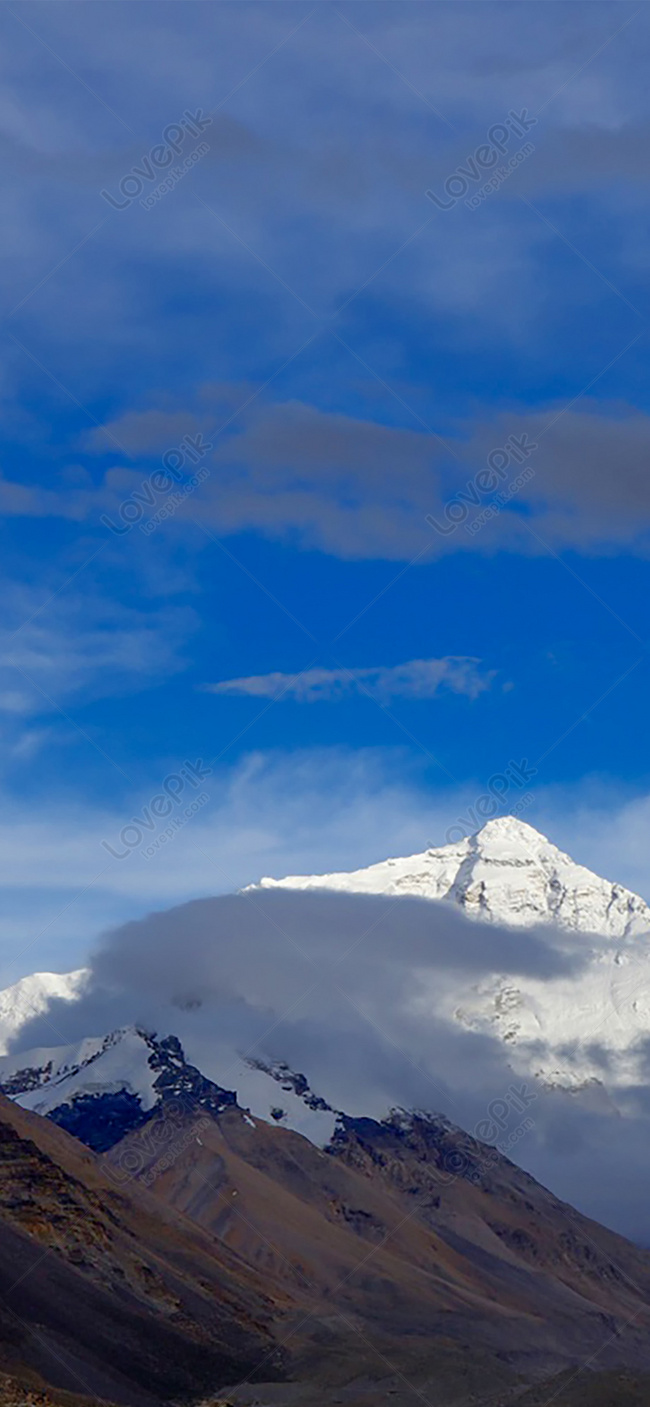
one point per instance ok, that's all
(507, 873)
(107, 1086)
(564, 1031)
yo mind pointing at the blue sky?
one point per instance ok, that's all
(296, 359)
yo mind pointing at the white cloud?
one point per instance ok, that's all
(417, 679)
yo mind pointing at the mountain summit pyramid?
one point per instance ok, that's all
(507, 873)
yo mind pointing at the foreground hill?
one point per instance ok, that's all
(104, 1293)
(210, 1255)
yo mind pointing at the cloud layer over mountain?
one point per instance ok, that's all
(336, 985)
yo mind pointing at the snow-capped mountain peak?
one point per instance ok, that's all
(32, 996)
(507, 873)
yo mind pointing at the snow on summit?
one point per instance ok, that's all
(510, 874)
(507, 873)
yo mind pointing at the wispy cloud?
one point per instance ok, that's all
(72, 646)
(417, 679)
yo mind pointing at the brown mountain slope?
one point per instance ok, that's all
(390, 1253)
(105, 1293)
(407, 1258)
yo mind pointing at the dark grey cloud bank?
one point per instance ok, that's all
(358, 489)
(333, 983)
